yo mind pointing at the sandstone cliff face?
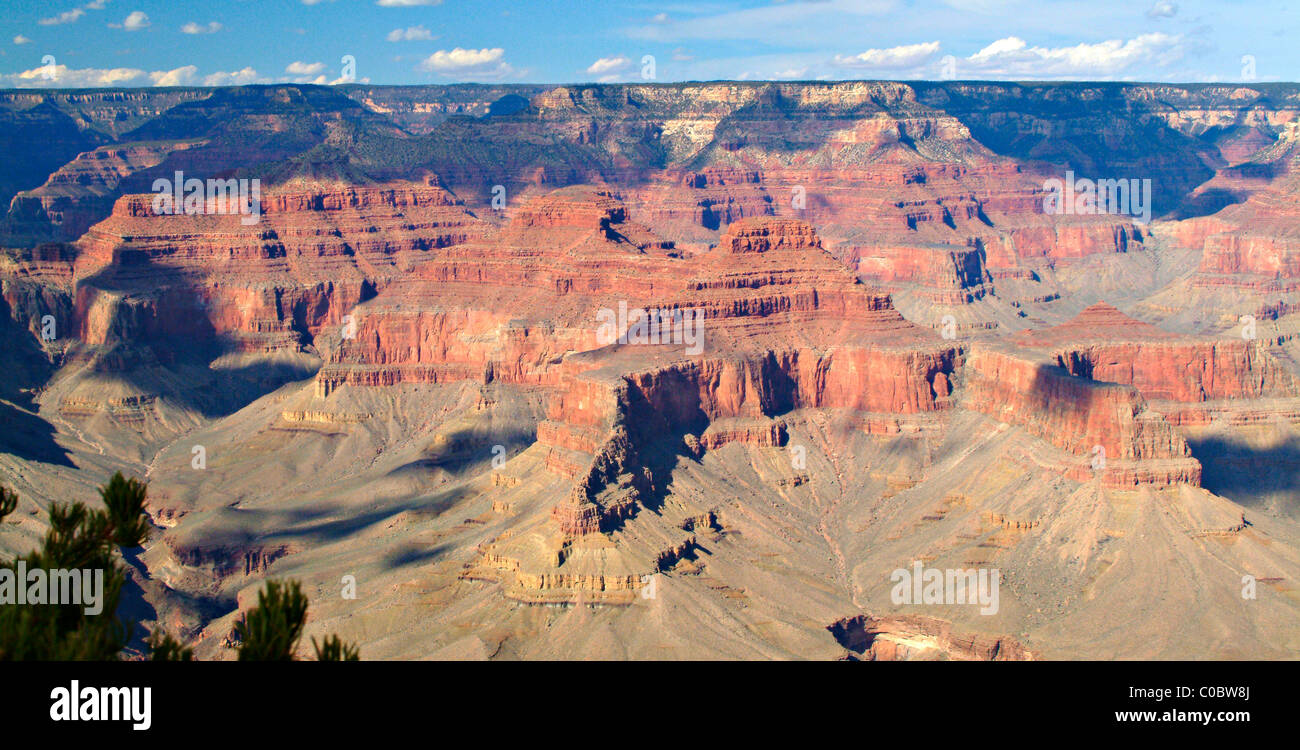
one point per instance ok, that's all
(1103, 344)
(1184, 371)
(1071, 240)
(1107, 425)
(314, 254)
(872, 381)
(951, 275)
(1268, 256)
(34, 293)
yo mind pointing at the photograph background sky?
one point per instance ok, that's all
(224, 42)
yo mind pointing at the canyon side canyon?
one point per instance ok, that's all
(879, 349)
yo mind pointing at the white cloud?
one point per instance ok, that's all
(406, 3)
(1006, 46)
(410, 34)
(468, 63)
(184, 76)
(1163, 9)
(65, 77)
(1013, 57)
(96, 4)
(893, 58)
(20, 39)
(791, 74)
(608, 65)
(135, 21)
(235, 78)
(195, 28)
(66, 17)
(299, 68)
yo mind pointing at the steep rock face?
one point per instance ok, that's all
(767, 282)
(1265, 257)
(776, 271)
(956, 274)
(1086, 418)
(582, 210)
(1068, 240)
(1103, 344)
(312, 256)
(36, 290)
(874, 381)
(760, 236)
(1184, 371)
(419, 109)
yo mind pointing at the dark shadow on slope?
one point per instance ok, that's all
(229, 533)
(341, 528)
(38, 140)
(1206, 203)
(24, 367)
(1244, 474)
(510, 104)
(132, 606)
(656, 433)
(161, 341)
(412, 554)
(469, 447)
(29, 437)
(1097, 130)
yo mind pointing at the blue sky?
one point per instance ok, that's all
(58, 43)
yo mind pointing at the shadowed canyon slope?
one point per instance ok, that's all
(673, 371)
